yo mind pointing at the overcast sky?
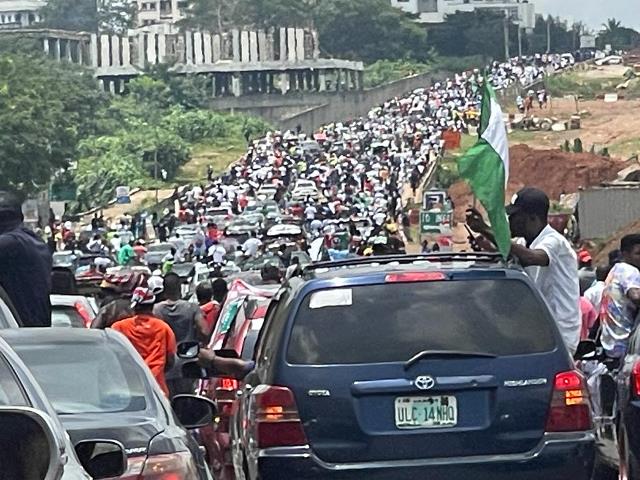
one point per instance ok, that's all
(593, 12)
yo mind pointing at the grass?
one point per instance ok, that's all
(575, 84)
(625, 149)
(218, 153)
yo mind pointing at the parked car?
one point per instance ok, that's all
(74, 311)
(33, 443)
(101, 388)
(9, 317)
(156, 252)
(238, 334)
(618, 416)
(425, 366)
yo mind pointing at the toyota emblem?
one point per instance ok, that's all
(424, 382)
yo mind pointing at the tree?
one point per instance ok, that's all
(45, 108)
(110, 16)
(617, 36)
(369, 30)
(210, 15)
(75, 15)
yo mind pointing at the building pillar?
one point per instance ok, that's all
(236, 85)
(56, 48)
(93, 51)
(67, 52)
(284, 83)
(338, 80)
(322, 81)
(360, 80)
(80, 53)
(45, 45)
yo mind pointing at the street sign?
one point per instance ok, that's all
(434, 220)
(587, 41)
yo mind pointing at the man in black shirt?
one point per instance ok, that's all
(25, 265)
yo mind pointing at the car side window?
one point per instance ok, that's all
(272, 319)
(11, 392)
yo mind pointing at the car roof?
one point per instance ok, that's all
(54, 336)
(370, 266)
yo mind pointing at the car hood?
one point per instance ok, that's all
(133, 430)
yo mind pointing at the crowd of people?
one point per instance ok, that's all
(368, 168)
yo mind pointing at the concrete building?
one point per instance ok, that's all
(154, 12)
(19, 13)
(435, 11)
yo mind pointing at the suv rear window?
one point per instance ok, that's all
(393, 322)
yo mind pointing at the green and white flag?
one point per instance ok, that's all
(485, 167)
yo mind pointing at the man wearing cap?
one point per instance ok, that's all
(547, 257)
(151, 337)
(25, 265)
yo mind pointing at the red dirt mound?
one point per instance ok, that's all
(553, 171)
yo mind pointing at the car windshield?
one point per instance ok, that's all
(83, 378)
(393, 322)
(62, 258)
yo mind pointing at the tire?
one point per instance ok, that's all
(602, 471)
(629, 466)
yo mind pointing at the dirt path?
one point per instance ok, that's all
(138, 201)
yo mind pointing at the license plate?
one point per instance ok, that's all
(426, 412)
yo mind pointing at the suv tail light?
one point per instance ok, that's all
(276, 417)
(635, 379)
(570, 410)
(172, 466)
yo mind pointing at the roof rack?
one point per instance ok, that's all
(482, 257)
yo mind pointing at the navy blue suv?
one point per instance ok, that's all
(403, 367)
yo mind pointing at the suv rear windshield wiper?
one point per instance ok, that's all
(445, 353)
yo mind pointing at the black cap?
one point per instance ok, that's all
(529, 200)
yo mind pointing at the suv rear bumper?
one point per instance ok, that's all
(569, 455)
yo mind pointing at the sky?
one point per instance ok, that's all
(592, 12)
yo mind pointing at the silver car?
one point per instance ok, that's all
(33, 443)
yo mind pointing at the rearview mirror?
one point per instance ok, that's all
(192, 411)
(188, 350)
(31, 446)
(102, 458)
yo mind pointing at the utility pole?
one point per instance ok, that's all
(519, 40)
(506, 36)
(155, 170)
(549, 20)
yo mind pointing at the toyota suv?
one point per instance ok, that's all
(429, 366)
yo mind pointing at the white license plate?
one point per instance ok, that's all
(426, 412)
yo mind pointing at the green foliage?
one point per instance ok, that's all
(45, 108)
(459, 64)
(386, 71)
(110, 16)
(617, 36)
(575, 84)
(196, 125)
(370, 30)
(447, 175)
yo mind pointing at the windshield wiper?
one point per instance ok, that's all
(445, 354)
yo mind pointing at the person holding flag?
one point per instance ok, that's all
(546, 256)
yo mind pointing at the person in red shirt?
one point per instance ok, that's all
(211, 297)
(151, 337)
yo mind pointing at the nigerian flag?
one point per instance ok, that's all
(485, 167)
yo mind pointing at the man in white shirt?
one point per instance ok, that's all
(217, 252)
(549, 260)
(251, 246)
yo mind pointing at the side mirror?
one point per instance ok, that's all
(31, 446)
(102, 458)
(192, 411)
(188, 350)
(587, 350)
